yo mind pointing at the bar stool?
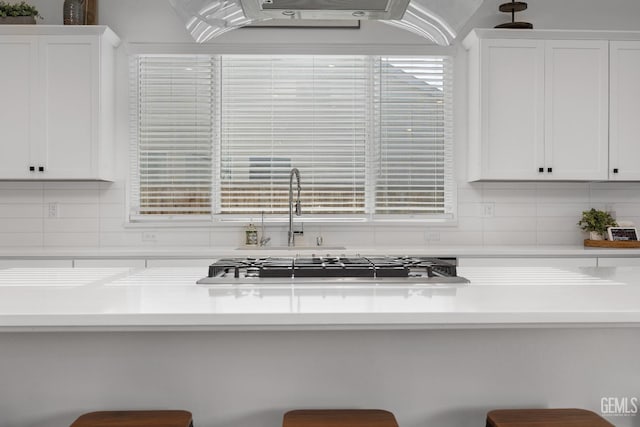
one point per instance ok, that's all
(135, 419)
(545, 418)
(339, 418)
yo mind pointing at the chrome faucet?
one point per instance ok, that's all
(291, 234)
(263, 238)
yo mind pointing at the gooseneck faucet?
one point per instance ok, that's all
(263, 237)
(298, 209)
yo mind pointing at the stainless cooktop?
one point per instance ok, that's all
(331, 269)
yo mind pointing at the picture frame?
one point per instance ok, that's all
(91, 12)
(622, 233)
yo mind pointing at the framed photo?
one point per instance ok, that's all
(622, 233)
(91, 12)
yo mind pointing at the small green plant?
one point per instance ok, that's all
(596, 221)
(18, 9)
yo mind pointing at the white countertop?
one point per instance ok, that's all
(43, 299)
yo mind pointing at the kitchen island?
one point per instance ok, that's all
(76, 340)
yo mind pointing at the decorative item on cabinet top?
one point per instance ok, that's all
(18, 13)
(91, 12)
(73, 12)
(80, 12)
(513, 7)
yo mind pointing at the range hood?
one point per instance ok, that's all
(436, 20)
(325, 9)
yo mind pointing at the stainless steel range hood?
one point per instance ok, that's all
(325, 9)
(436, 20)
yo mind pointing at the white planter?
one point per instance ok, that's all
(593, 235)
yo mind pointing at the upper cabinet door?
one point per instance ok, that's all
(512, 108)
(57, 111)
(624, 137)
(71, 74)
(576, 109)
(18, 104)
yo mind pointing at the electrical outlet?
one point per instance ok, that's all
(149, 236)
(54, 211)
(488, 210)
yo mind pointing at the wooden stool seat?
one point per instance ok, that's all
(339, 418)
(135, 419)
(545, 418)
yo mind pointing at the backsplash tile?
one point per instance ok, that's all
(21, 240)
(523, 213)
(21, 210)
(80, 195)
(71, 239)
(71, 225)
(20, 225)
(520, 238)
(21, 195)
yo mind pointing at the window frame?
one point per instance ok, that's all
(217, 219)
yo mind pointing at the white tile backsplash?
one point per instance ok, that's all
(520, 238)
(573, 210)
(21, 240)
(79, 195)
(509, 195)
(524, 213)
(21, 210)
(71, 225)
(76, 210)
(113, 194)
(20, 225)
(20, 195)
(112, 210)
(55, 239)
(515, 210)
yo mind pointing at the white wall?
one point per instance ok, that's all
(93, 214)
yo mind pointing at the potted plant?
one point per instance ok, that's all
(18, 13)
(596, 223)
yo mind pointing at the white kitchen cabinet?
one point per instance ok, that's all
(538, 108)
(59, 109)
(624, 133)
(576, 109)
(506, 109)
(18, 103)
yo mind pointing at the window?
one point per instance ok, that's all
(216, 136)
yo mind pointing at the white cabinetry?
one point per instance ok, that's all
(507, 109)
(538, 108)
(624, 137)
(577, 109)
(57, 114)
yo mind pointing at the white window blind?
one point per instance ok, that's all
(371, 136)
(279, 112)
(172, 132)
(414, 121)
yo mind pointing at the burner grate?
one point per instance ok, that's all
(329, 266)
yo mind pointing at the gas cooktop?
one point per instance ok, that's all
(325, 269)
